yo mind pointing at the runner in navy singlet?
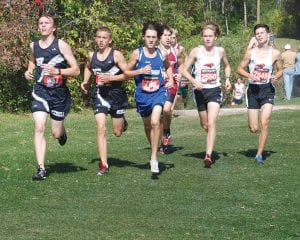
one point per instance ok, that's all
(207, 82)
(53, 61)
(260, 93)
(107, 66)
(147, 65)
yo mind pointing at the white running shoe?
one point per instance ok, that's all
(154, 166)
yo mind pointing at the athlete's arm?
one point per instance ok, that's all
(86, 74)
(227, 68)
(278, 65)
(131, 64)
(243, 64)
(120, 61)
(169, 72)
(184, 68)
(31, 65)
(66, 50)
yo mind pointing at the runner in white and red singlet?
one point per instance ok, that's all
(260, 92)
(207, 82)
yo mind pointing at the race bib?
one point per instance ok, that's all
(262, 74)
(150, 85)
(209, 76)
(52, 81)
(98, 81)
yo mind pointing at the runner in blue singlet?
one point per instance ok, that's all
(147, 64)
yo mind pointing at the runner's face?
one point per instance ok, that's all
(103, 39)
(261, 35)
(150, 38)
(165, 39)
(46, 26)
(173, 39)
(208, 37)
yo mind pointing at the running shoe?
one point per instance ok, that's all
(167, 140)
(259, 160)
(154, 166)
(163, 149)
(39, 175)
(103, 169)
(207, 161)
(125, 124)
(63, 139)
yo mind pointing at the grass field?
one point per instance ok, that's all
(236, 199)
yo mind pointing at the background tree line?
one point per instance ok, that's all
(78, 20)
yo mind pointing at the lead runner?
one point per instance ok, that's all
(207, 82)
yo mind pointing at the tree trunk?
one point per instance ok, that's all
(245, 15)
(258, 11)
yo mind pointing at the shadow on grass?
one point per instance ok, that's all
(251, 153)
(171, 149)
(201, 155)
(144, 166)
(63, 168)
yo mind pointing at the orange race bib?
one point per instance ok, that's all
(209, 76)
(262, 74)
(150, 85)
(52, 81)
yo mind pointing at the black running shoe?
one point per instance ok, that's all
(39, 175)
(63, 139)
(125, 126)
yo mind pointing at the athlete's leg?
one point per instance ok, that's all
(40, 119)
(57, 128)
(212, 115)
(167, 115)
(153, 124)
(253, 120)
(118, 126)
(203, 120)
(101, 137)
(265, 116)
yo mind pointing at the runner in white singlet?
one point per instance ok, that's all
(260, 93)
(207, 82)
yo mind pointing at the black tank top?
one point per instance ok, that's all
(50, 55)
(108, 66)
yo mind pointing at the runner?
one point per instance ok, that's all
(238, 92)
(207, 82)
(106, 65)
(53, 61)
(147, 65)
(181, 53)
(260, 93)
(165, 47)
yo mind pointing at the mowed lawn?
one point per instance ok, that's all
(235, 199)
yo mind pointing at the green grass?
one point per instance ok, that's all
(236, 199)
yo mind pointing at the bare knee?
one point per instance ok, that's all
(253, 128)
(117, 132)
(101, 130)
(39, 129)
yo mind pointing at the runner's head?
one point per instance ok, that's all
(165, 38)
(151, 32)
(209, 32)
(261, 32)
(103, 37)
(174, 37)
(47, 24)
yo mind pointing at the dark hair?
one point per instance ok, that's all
(212, 26)
(104, 29)
(166, 27)
(261, 25)
(54, 18)
(152, 26)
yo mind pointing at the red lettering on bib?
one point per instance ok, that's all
(150, 85)
(262, 74)
(52, 81)
(209, 76)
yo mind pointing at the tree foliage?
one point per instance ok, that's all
(78, 20)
